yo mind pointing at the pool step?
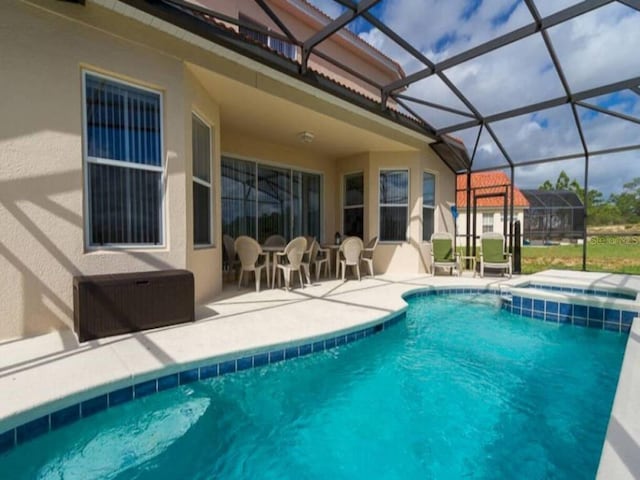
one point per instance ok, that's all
(506, 295)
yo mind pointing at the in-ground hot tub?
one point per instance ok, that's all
(594, 306)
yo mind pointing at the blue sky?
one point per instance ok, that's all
(594, 49)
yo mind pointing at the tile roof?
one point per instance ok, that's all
(357, 38)
(488, 182)
(359, 91)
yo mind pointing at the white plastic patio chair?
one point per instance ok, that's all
(275, 241)
(291, 260)
(367, 253)
(252, 258)
(321, 257)
(351, 254)
(232, 260)
(307, 258)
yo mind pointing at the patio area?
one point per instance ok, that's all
(53, 371)
(47, 372)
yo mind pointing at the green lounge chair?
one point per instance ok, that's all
(442, 253)
(493, 253)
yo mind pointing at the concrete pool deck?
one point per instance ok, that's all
(42, 374)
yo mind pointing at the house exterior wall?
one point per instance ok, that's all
(41, 192)
(498, 224)
(413, 254)
(304, 21)
(204, 262)
(42, 196)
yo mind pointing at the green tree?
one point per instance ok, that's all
(628, 201)
(547, 185)
(605, 214)
(562, 183)
(633, 186)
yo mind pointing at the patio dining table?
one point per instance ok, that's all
(271, 251)
(335, 249)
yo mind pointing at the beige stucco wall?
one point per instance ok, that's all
(41, 179)
(204, 262)
(411, 255)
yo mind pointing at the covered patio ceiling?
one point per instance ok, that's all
(520, 82)
(278, 120)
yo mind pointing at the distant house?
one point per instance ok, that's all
(490, 192)
(553, 215)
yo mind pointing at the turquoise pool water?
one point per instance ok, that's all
(461, 389)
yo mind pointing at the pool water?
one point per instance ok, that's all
(462, 389)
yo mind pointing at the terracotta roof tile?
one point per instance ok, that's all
(488, 182)
(363, 92)
(357, 37)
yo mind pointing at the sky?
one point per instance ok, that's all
(595, 49)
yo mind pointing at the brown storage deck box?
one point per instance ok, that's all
(105, 305)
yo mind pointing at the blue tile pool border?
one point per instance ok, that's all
(558, 311)
(581, 291)
(604, 318)
(70, 414)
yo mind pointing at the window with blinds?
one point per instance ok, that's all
(487, 222)
(202, 190)
(262, 200)
(123, 163)
(394, 205)
(428, 204)
(353, 208)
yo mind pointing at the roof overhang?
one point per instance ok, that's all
(182, 15)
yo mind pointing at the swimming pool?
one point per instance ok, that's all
(461, 388)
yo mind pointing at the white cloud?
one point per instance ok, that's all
(600, 47)
(594, 49)
(329, 7)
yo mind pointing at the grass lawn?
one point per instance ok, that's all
(604, 253)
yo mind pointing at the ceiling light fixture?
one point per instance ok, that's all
(306, 137)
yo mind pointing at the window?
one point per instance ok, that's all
(202, 197)
(257, 33)
(262, 200)
(353, 208)
(428, 205)
(487, 222)
(123, 163)
(394, 205)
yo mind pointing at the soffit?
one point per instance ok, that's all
(276, 120)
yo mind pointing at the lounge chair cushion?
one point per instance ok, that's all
(442, 251)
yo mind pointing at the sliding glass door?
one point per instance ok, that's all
(306, 204)
(238, 197)
(274, 202)
(261, 200)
